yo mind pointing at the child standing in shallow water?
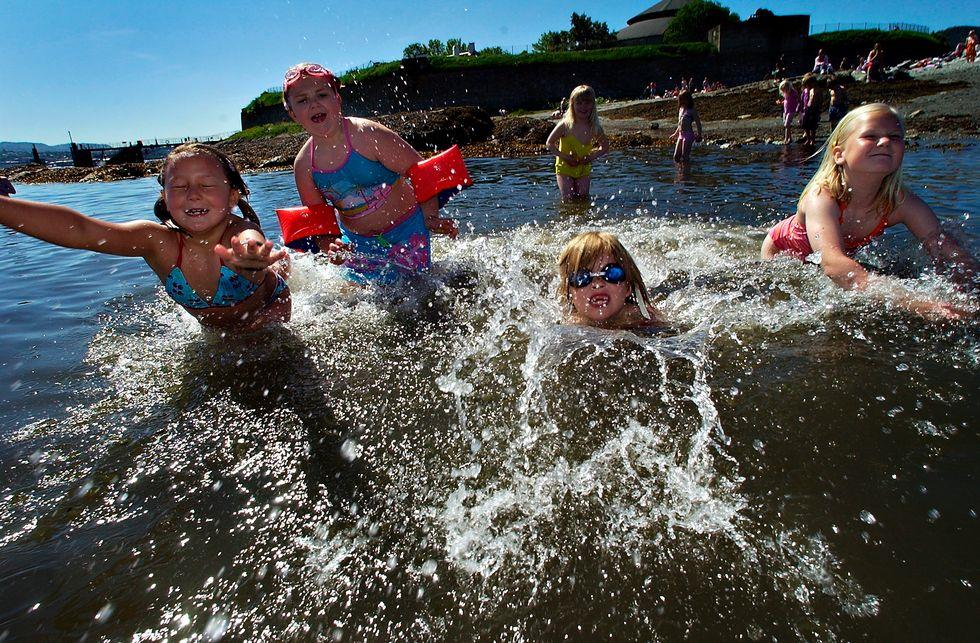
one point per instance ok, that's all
(216, 265)
(687, 118)
(576, 142)
(855, 194)
(600, 284)
(791, 106)
(359, 166)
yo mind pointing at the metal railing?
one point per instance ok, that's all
(881, 26)
(147, 142)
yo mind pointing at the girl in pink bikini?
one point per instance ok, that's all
(855, 194)
(687, 118)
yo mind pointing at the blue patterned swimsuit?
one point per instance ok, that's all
(358, 188)
(232, 288)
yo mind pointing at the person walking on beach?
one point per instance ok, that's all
(6, 187)
(812, 108)
(687, 118)
(577, 141)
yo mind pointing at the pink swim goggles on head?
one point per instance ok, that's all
(312, 70)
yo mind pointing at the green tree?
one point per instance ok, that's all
(436, 48)
(587, 33)
(457, 43)
(494, 51)
(414, 50)
(695, 19)
(552, 41)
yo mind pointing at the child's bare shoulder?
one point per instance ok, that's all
(302, 160)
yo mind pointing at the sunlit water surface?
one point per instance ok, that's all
(443, 460)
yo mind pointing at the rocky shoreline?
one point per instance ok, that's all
(939, 104)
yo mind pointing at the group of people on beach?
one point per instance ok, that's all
(222, 269)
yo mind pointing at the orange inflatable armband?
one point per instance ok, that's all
(442, 175)
(301, 222)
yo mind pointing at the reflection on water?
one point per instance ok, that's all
(442, 460)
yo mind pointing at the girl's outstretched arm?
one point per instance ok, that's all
(65, 227)
(945, 251)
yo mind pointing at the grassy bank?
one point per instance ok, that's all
(450, 63)
(266, 131)
(897, 45)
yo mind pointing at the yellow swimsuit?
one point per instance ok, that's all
(568, 144)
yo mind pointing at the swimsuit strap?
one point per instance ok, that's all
(180, 249)
(882, 224)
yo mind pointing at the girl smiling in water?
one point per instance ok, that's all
(855, 194)
(358, 166)
(216, 265)
(601, 286)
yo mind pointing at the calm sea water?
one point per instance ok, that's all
(442, 460)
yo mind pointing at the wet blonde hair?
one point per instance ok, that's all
(830, 175)
(587, 248)
(568, 120)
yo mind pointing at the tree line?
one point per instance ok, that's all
(691, 24)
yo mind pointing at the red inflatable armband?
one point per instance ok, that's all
(443, 173)
(300, 222)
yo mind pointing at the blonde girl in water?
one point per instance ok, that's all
(576, 142)
(855, 194)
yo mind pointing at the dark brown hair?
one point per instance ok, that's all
(235, 180)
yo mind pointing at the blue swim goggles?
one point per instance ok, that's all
(613, 273)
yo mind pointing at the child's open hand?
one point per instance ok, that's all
(337, 251)
(248, 255)
(440, 225)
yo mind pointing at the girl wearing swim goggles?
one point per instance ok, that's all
(600, 284)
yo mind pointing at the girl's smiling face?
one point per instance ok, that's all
(197, 192)
(583, 107)
(875, 146)
(600, 301)
(314, 105)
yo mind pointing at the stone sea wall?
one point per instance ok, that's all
(529, 86)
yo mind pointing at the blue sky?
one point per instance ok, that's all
(112, 71)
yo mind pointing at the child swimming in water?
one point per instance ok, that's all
(687, 118)
(216, 265)
(358, 166)
(576, 142)
(600, 284)
(855, 194)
